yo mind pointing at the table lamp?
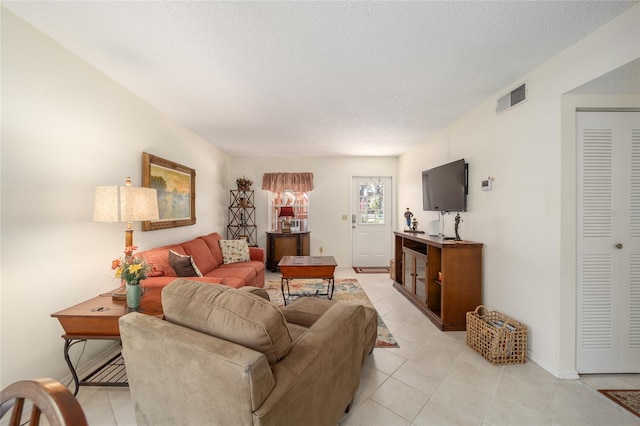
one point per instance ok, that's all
(125, 204)
(286, 212)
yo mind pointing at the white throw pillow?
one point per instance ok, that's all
(234, 251)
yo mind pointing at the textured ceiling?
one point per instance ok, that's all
(316, 78)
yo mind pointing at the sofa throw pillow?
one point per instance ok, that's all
(183, 265)
(234, 251)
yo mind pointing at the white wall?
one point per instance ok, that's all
(66, 128)
(519, 221)
(329, 200)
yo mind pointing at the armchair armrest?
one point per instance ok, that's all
(215, 380)
(327, 359)
(256, 290)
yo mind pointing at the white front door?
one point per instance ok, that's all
(608, 258)
(371, 221)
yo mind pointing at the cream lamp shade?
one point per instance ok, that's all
(125, 204)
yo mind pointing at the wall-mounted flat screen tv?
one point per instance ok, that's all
(445, 188)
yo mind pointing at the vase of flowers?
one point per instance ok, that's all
(134, 294)
(244, 183)
(131, 270)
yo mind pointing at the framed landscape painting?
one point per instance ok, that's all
(176, 187)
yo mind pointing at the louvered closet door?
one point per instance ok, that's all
(608, 242)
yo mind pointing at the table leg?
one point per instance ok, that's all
(67, 344)
(332, 285)
(284, 281)
(110, 373)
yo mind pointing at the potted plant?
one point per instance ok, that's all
(244, 183)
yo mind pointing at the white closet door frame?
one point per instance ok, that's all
(608, 225)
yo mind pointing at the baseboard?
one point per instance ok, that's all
(568, 375)
(558, 374)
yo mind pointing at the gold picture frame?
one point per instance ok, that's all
(176, 186)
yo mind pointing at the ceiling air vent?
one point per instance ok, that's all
(511, 99)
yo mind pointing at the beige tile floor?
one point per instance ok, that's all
(433, 378)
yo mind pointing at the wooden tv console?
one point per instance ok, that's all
(443, 278)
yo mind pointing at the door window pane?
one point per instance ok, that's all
(371, 207)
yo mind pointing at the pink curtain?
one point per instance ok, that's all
(279, 182)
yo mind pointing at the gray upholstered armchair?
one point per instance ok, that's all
(229, 357)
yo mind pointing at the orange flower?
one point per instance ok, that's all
(131, 268)
(128, 251)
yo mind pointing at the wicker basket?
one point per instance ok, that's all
(495, 336)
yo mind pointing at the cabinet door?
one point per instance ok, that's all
(420, 278)
(305, 246)
(284, 245)
(408, 262)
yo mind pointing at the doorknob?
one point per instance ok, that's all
(619, 246)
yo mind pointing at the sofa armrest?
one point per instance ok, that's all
(327, 359)
(256, 253)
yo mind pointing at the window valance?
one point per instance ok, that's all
(279, 182)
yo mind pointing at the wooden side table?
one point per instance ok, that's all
(97, 319)
(300, 267)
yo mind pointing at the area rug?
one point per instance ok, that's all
(346, 290)
(371, 269)
(627, 398)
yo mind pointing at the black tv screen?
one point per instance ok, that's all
(444, 188)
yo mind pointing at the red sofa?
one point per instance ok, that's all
(207, 255)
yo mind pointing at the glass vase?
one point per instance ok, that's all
(134, 293)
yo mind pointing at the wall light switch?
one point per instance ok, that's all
(487, 184)
(344, 217)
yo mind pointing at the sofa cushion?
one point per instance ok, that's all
(183, 264)
(237, 316)
(201, 254)
(212, 241)
(234, 251)
(237, 270)
(296, 331)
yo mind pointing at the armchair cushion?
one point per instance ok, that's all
(237, 316)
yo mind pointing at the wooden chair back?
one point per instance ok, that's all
(49, 397)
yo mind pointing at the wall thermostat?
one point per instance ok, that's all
(487, 184)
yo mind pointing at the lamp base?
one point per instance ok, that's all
(128, 236)
(119, 294)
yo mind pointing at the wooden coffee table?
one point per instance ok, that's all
(300, 267)
(97, 318)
